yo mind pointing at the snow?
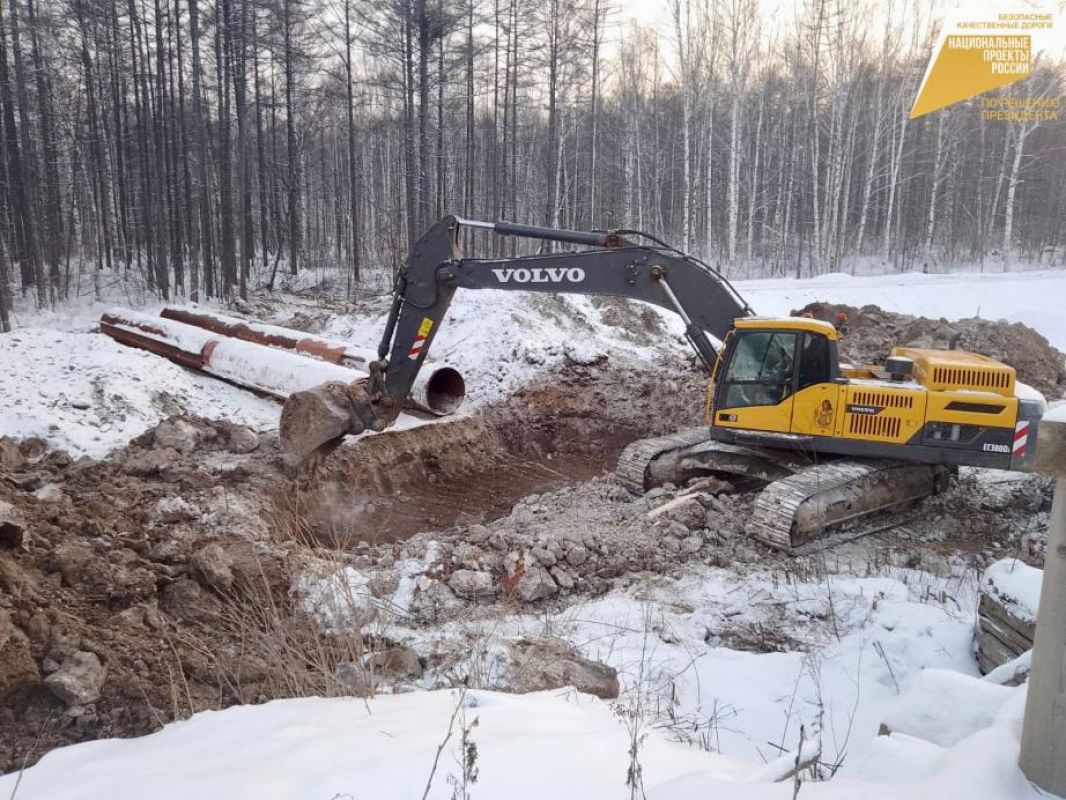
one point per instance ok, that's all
(83, 392)
(1034, 298)
(1016, 585)
(850, 647)
(501, 341)
(1057, 413)
(944, 707)
(558, 744)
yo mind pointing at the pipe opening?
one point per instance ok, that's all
(445, 390)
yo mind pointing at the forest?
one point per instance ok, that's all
(206, 148)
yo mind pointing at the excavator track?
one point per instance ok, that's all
(633, 464)
(794, 513)
(801, 507)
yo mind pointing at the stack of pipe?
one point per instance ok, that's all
(267, 358)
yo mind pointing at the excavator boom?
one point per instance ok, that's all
(613, 266)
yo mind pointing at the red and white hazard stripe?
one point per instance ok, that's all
(416, 347)
(1021, 438)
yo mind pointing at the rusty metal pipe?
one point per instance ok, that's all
(254, 366)
(439, 389)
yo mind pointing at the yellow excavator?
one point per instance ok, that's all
(827, 444)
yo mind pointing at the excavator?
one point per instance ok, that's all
(827, 445)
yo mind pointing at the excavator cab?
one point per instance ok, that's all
(778, 376)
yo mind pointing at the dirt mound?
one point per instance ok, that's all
(110, 599)
(158, 583)
(873, 332)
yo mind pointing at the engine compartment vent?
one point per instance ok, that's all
(870, 425)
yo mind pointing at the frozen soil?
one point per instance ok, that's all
(158, 582)
(190, 571)
(873, 332)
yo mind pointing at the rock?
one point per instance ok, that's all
(577, 555)
(670, 544)
(50, 493)
(12, 530)
(540, 664)
(73, 561)
(522, 516)
(430, 599)
(472, 584)
(242, 440)
(150, 462)
(213, 567)
(477, 534)
(543, 555)
(185, 600)
(173, 509)
(11, 457)
(691, 544)
(563, 578)
(671, 527)
(536, 584)
(655, 493)
(34, 448)
(18, 670)
(131, 583)
(396, 663)
(467, 555)
(79, 679)
(177, 434)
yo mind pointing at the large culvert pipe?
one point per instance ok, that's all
(439, 389)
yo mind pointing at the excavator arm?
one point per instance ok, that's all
(615, 266)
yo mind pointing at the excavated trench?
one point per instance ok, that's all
(473, 469)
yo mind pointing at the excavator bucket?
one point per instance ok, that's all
(317, 420)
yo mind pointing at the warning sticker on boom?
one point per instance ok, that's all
(420, 340)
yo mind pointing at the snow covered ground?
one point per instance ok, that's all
(712, 721)
(90, 395)
(1034, 298)
(553, 744)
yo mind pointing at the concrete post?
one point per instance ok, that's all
(1043, 754)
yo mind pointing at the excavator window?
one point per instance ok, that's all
(814, 360)
(761, 369)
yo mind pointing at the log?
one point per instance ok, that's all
(439, 388)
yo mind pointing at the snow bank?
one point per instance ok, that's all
(1033, 298)
(945, 707)
(87, 394)
(560, 744)
(501, 341)
(1016, 586)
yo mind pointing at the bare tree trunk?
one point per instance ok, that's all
(223, 57)
(203, 187)
(930, 220)
(1020, 132)
(295, 175)
(353, 166)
